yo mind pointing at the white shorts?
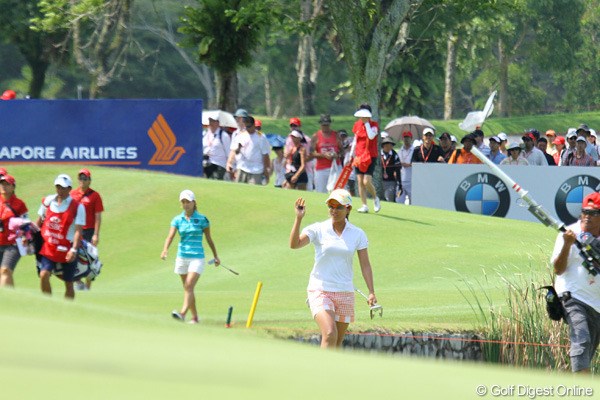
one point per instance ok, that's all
(185, 265)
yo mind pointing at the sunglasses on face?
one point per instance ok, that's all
(593, 213)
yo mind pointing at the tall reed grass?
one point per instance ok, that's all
(519, 331)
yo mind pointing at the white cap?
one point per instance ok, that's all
(417, 143)
(297, 134)
(427, 130)
(581, 139)
(571, 133)
(363, 112)
(503, 136)
(384, 134)
(593, 133)
(63, 180)
(513, 145)
(496, 139)
(453, 138)
(342, 196)
(187, 195)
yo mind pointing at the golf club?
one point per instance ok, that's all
(375, 308)
(210, 262)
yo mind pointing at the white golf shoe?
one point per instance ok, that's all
(363, 209)
(377, 204)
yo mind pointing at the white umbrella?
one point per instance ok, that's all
(225, 119)
(410, 123)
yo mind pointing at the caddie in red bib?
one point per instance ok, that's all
(61, 221)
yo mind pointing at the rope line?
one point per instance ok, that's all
(458, 339)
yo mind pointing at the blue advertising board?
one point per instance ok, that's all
(163, 135)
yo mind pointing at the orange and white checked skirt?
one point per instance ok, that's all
(341, 303)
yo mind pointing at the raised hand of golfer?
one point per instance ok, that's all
(299, 208)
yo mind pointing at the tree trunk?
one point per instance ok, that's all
(307, 67)
(268, 102)
(370, 44)
(227, 90)
(38, 77)
(503, 61)
(450, 75)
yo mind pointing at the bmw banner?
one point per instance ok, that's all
(476, 190)
(163, 135)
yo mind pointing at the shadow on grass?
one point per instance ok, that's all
(404, 219)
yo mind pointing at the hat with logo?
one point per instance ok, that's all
(591, 201)
(445, 135)
(86, 172)
(388, 140)
(297, 134)
(559, 140)
(428, 131)
(342, 196)
(496, 139)
(241, 113)
(363, 113)
(513, 146)
(528, 136)
(8, 179)
(187, 195)
(8, 95)
(63, 180)
(571, 133)
(407, 134)
(325, 119)
(295, 121)
(581, 139)
(503, 136)
(257, 123)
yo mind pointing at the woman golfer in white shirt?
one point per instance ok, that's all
(330, 288)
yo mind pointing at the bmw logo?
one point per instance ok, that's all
(569, 197)
(484, 194)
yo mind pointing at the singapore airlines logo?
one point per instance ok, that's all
(164, 140)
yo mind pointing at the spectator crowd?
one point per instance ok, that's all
(314, 162)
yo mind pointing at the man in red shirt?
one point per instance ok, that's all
(92, 202)
(61, 219)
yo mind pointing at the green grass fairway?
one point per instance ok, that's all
(119, 341)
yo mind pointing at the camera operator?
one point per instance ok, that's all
(578, 289)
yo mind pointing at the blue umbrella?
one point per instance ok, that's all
(275, 140)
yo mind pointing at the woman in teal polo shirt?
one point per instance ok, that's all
(192, 226)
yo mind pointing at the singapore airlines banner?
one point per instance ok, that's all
(476, 190)
(163, 135)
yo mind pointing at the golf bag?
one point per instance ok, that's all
(554, 306)
(88, 263)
